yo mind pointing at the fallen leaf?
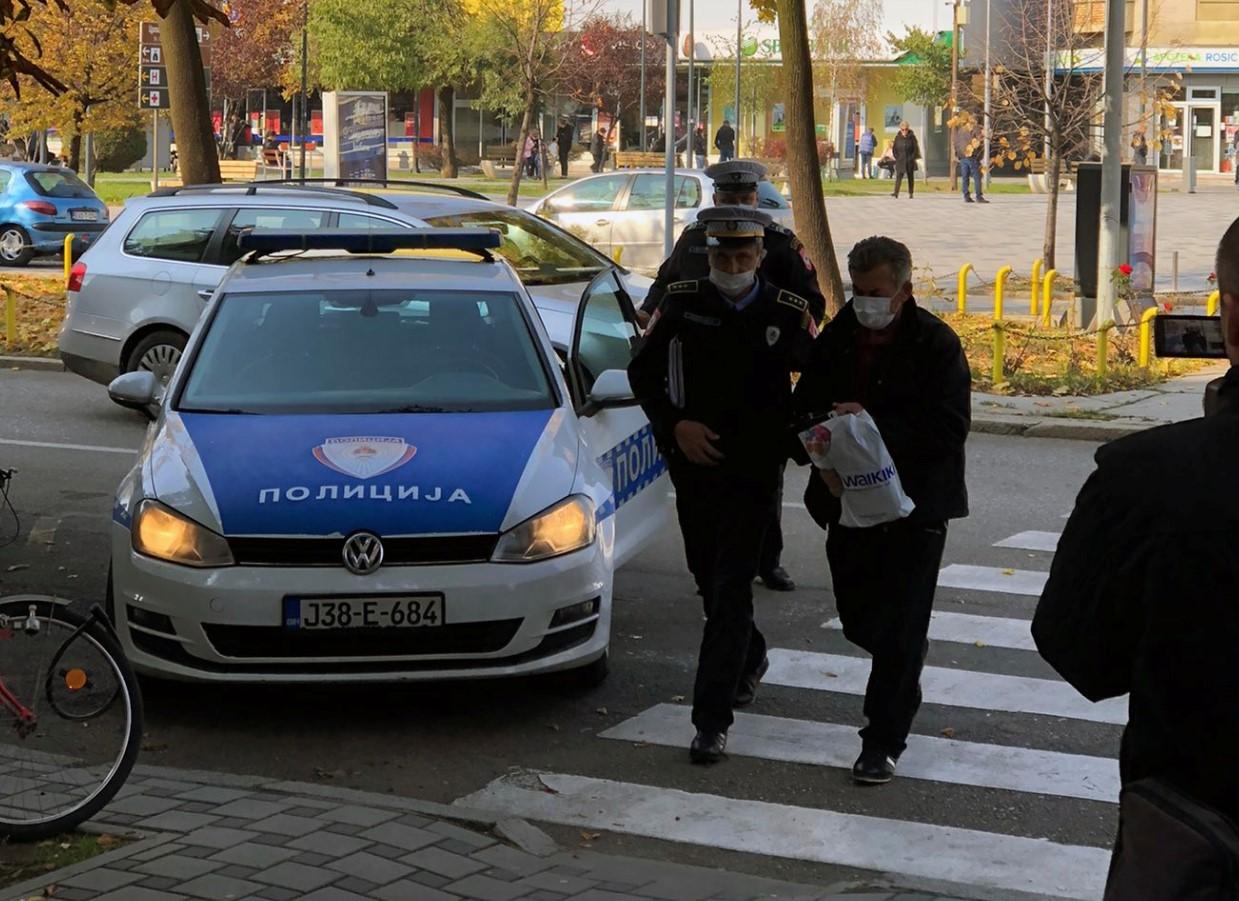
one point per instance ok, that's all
(636, 637)
(1008, 572)
(17, 567)
(601, 711)
(590, 836)
(980, 644)
(948, 732)
(65, 846)
(677, 698)
(831, 675)
(107, 841)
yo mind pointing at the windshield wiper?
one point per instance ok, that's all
(418, 408)
(234, 411)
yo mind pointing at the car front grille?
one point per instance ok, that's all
(278, 642)
(422, 550)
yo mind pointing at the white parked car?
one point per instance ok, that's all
(622, 213)
(372, 464)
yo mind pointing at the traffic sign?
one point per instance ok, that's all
(150, 55)
(153, 99)
(153, 77)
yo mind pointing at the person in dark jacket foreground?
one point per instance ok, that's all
(1143, 595)
(714, 378)
(884, 354)
(785, 263)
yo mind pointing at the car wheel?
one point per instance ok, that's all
(591, 675)
(15, 248)
(158, 352)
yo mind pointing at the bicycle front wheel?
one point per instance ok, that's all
(70, 721)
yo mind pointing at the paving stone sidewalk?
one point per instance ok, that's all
(214, 836)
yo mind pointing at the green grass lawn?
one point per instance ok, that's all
(859, 187)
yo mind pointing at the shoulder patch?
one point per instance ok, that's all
(683, 287)
(779, 229)
(695, 226)
(792, 300)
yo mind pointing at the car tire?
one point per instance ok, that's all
(15, 248)
(591, 675)
(158, 352)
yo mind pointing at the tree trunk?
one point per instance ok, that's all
(1052, 172)
(447, 140)
(191, 111)
(75, 145)
(803, 168)
(518, 160)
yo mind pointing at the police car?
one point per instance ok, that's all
(371, 464)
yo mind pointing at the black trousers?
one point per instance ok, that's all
(884, 581)
(724, 517)
(772, 545)
(910, 172)
(563, 163)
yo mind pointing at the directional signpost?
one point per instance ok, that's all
(153, 81)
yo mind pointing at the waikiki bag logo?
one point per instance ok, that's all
(364, 458)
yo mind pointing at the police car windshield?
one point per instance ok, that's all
(541, 253)
(361, 351)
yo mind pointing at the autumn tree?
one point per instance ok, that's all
(259, 49)
(603, 67)
(89, 49)
(528, 62)
(923, 76)
(812, 225)
(761, 84)
(843, 33)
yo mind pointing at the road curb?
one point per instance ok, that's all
(43, 364)
(1054, 427)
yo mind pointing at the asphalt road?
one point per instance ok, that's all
(442, 742)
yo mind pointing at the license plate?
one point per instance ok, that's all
(419, 612)
(84, 215)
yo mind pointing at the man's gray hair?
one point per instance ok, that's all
(1227, 263)
(873, 252)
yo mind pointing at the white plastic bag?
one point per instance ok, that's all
(872, 493)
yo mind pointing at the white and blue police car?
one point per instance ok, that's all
(372, 465)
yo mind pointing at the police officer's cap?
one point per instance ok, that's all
(736, 175)
(734, 222)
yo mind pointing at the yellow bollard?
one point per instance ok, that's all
(1000, 351)
(1000, 291)
(68, 256)
(1146, 337)
(617, 253)
(10, 317)
(1103, 349)
(1036, 287)
(961, 301)
(1212, 304)
(1047, 296)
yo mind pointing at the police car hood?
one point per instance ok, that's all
(392, 474)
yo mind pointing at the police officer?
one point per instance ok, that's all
(713, 376)
(786, 264)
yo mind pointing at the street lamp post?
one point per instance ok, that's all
(692, 53)
(644, 31)
(1049, 71)
(739, 47)
(989, 77)
(1111, 162)
(305, 93)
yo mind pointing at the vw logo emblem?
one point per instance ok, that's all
(363, 553)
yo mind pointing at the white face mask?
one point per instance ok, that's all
(733, 284)
(873, 312)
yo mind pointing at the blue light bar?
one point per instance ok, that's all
(471, 240)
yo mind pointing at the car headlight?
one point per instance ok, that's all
(568, 526)
(166, 535)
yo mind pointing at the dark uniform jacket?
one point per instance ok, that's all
(918, 391)
(1143, 597)
(787, 265)
(706, 361)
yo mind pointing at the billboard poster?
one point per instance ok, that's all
(355, 134)
(1142, 230)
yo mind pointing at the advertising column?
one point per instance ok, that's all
(355, 134)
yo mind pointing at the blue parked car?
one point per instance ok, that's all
(39, 205)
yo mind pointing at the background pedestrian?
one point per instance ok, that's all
(969, 149)
(699, 147)
(868, 144)
(907, 151)
(564, 137)
(725, 142)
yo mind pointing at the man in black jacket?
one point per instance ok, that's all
(725, 142)
(884, 354)
(564, 138)
(1143, 595)
(714, 378)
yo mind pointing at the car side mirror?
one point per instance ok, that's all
(137, 391)
(611, 389)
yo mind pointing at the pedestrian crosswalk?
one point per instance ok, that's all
(911, 847)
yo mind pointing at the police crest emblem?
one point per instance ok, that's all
(772, 335)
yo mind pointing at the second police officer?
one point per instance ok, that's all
(786, 264)
(714, 378)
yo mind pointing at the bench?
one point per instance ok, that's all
(643, 159)
(240, 170)
(1037, 176)
(495, 157)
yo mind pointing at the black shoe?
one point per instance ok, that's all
(778, 580)
(747, 690)
(708, 747)
(981, 200)
(873, 767)
(967, 199)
